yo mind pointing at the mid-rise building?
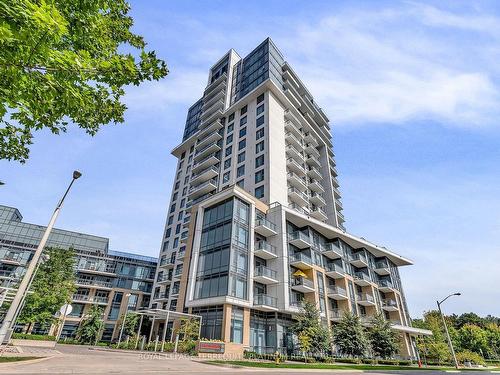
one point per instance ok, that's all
(255, 224)
(113, 280)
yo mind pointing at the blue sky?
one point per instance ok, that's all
(412, 91)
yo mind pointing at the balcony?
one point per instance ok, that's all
(318, 213)
(310, 138)
(294, 153)
(214, 97)
(312, 160)
(314, 173)
(295, 167)
(12, 258)
(265, 302)
(204, 175)
(205, 151)
(337, 293)
(338, 204)
(297, 196)
(291, 117)
(163, 279)
(293, 140)
(359, 260)
(201, 189)
(389, 305)
(264, 227)
(205, 163)
(366, 299)
(301, 261)
(175, 291)
(88, 299)
(207, 139)
(167, 263)
(386, 286)
(311, 149)
(265, 275)
(94, 284)
(296, 181)
(332, 251)
(315, 185)
(265, 250)
(317, 199)
(334, 172)
(382, 268)
(296, 207)
(213, 127)
(291, 127)
(186, 221)
(362, 279)
(336, 314)
(181, 254)
(218, 85)
(299, 239)
(184, 236)
(335, 271)
(98, 269)
(301, 284)
(336, 192)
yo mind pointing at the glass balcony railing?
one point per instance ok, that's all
(265, 300)
(264, 245)
(265, 272)
(302, 281)
(298, 235)
(260, 221)
(362, 276)
(300, 257)
(365, 297)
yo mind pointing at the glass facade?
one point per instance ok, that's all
(193, 120)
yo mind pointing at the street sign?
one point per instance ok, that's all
(65, 309)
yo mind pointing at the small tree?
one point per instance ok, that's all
(383, 340)
(52, 287)
(131, 322)
(313, 337)
(189, 329)
(349, 336)
(90, 327)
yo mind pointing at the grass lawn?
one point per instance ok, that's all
(15, 359)
(328, 366)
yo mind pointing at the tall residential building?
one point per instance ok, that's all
(103, 277)
(255, 224)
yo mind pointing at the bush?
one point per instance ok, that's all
(27, 336)
(356, 361)
(468, 356)
(187, 347)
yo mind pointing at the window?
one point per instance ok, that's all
(227, 163)
(259, 176)
(237, 325)
(183, 202)
(179, 217)
(259, 147)
(176, 242)
(183, 155)
(259, 192)
(259, 134)
(260, 121)
(167, 232)
(260, 109)
(241, 157)
(191, 149)
(184, 190)
(229, 139)
(174, 197)
(170, 220)
(177, 184)
(242, 144)
(177, 229)
(260, 98)
(230, 128)
(240, 171)
(243, 121)
(259, 161)
(229, 150)
(172, 208)
(243, 110)
(231, 117)
(225, 177)
(243, 132)
(186, 180)
(241, 183)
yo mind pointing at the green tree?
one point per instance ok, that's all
(493, 337)
(383, 340)
(189, 329)
(468, 318)
(313, 337)
(89, 330)
(473, 338)
(349, 336)
(131, 323)
(52, 287)
(66, 61)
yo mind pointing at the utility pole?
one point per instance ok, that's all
(439, 303)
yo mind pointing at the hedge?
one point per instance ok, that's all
(27, 336)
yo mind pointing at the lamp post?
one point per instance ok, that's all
(124, 318)
(18, 300)
(439, 303)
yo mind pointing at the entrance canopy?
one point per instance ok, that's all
(162, 314)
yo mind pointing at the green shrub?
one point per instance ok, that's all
(187, 347)
(27, 336)
(348, 360)
(468, 356)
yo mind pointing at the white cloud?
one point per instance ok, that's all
(390, 66)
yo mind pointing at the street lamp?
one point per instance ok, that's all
(124, 318)
(18, 300)
(439, 303)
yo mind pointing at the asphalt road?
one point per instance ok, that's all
(72, 359)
